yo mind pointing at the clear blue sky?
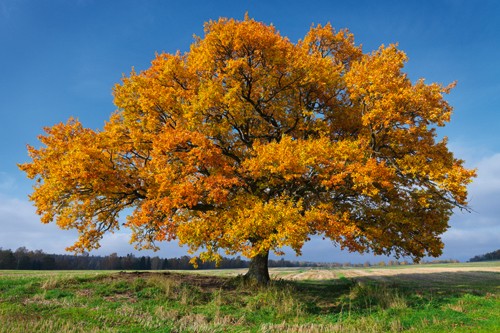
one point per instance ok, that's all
(62, 58)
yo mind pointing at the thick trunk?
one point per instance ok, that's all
(258, 270)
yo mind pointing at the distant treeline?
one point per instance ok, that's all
(25, 259)
(38, 260)
(495, 255)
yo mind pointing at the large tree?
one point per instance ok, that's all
(249, 143)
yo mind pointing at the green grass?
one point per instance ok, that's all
(32, 301)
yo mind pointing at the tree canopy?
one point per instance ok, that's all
(249, 143)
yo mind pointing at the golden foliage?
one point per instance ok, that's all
(250, 143)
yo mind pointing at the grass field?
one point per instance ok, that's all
(420, 298)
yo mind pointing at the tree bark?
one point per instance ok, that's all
(258, 270)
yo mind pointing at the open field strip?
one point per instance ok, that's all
(375, 272)
(380, 272)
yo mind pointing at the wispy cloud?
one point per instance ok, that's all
(21, 226)
(479, 231)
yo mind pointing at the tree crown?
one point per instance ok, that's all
(250, 143)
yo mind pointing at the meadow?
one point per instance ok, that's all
(417, 298)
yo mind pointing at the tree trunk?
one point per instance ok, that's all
(258, 270)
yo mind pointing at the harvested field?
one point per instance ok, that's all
(378, 273)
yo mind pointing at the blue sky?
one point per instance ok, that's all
(62, 58)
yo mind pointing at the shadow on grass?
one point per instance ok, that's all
(401, 290)
(414, 291)
(452, 283)
(320, 296)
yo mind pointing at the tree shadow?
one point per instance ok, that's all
(452, 283)
(415, 290)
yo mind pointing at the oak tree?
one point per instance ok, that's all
(250, 143)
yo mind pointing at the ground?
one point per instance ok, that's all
(418, 298)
